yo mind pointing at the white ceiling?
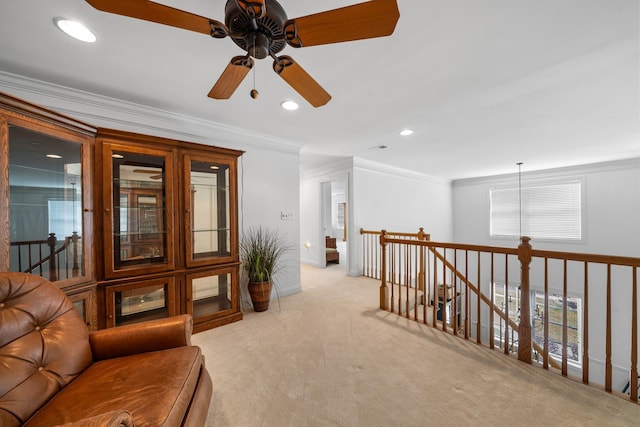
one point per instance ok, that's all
(484, 83)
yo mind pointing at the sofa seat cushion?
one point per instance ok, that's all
(155, 387)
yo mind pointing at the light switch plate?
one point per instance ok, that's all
(286, 216)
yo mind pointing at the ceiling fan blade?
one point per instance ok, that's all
(375, 18)
(231, 77)
(301, 81)
(161, 14)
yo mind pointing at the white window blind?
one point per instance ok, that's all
(550, 211)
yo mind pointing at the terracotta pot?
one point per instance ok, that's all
(260, 295)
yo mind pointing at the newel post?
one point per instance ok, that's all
(74, 246)
(421, 274)
(524, 331)
(384, 290)
(53, 269)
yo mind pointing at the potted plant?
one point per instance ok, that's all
(261, 252)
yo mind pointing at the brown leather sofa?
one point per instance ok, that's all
(54, 372)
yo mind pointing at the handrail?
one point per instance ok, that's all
(69, 242)
(484, 298)
(409, 268)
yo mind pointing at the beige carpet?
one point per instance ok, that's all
(329, 357)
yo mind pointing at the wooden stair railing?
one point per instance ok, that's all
(50, 255)
(405, 270)
(496, 309)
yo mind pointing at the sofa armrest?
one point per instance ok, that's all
(108, 419)
(143, 337)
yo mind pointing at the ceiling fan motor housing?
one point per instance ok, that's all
(262, 37)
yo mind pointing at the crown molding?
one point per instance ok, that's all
(337, 167)
(568, 171)
(372, 166)
(103, 111)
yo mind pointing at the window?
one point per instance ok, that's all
(550, 211)
(509, 299)
(574, 325)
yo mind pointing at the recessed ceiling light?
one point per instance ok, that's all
(117, 156)
(214, 167)
(289, 105)
(406, 132)
(75, 30)
(54, 156)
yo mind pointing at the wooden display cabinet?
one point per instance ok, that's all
(169, 210)
(131, 227)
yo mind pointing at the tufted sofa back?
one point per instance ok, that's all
(44, 345)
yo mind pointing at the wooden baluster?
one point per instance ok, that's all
(434, 295)
(377, 259)
(492, 308)
(421, 274)
(608, 366)
(364, 252)
(407, 276)
(565, 326)
(74, 246)
(585, 326)
(384, 290)
(546, 315)
(416, 273)
(478, 306)
(443, 312)
(31, 260)
(506, 304)
(424, 295)
(453, 285)
(524, 330)
(392, 277)
(51, 241)
(467, 297)
(634, 336)
(20, 258)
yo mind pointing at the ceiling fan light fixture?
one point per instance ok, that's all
(75, 29)
(406, 132)
(289, 105)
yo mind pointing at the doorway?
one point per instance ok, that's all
(335, 223)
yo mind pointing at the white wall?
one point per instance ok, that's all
(268, 171)
(403, 201)
(269, 182)
(612, 208)
(378, 197)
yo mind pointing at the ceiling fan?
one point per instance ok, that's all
(261, 28)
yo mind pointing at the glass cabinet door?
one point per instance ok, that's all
(212, 294)
(137, 302)
(47, 182)
(209, 221)
(138, 233)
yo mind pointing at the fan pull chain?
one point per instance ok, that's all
(254, 93)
